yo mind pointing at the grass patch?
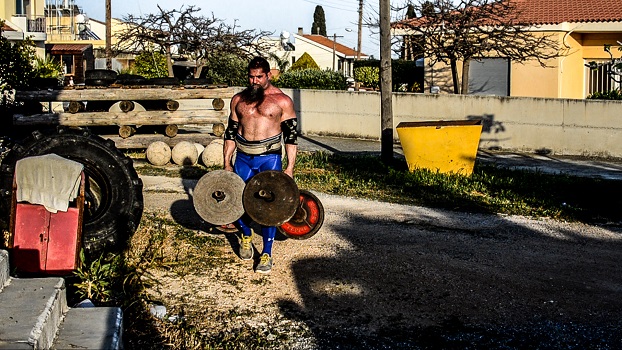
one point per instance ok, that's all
(490, 189)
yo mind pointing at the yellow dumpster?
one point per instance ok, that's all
(444, 146)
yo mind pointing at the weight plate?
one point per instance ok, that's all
(307, 220)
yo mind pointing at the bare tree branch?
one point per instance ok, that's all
(185, 34)
(473, 29)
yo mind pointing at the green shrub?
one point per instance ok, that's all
(368, 76)
(47, 67)
(311, 79)
(406, 76)
(16, 63)
(609, 95)
(305, 62)
(230, 70)
(151, 64)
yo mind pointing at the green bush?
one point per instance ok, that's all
(609, 95)
(151, 64)
(311, 79)
(406, 76)
(305, 62)
(230, 70)
(16, 63)
(368, 76)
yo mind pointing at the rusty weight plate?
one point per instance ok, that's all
(307, 220)
(271, 198)
(217, 197)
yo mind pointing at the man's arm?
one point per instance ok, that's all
(289, 126)
(230, 132)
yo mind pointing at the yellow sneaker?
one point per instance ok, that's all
(265, 264)
(246, 247)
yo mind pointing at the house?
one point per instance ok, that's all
(581, 27)
(328, 53)
(24, 19)
(78, 40)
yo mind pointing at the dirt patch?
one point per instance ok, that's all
(381, 275)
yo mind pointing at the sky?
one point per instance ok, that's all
(273, 16)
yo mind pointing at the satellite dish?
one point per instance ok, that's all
(80, 18)
(284, 35)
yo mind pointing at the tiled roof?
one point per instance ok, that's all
(57, 49)
(322, 40)
(558, 11)
(6, 28)
(542, 12)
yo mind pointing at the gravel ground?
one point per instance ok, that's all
(381, 275)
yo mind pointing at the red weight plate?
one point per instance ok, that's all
(307, 220)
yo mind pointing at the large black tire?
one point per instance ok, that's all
(113, 196)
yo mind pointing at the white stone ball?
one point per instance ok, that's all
(200, 149)
(184, 153)
(212, 155)
(159, 153)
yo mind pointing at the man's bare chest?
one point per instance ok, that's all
(268, 109)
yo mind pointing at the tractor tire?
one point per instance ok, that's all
(113, 192)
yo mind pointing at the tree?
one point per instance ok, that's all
(305, 62)
(467, 30)
(319, 21)
(185, 34)
(16, 63)
(151, 64)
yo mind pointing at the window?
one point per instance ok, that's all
(601, 78)
(489, 76)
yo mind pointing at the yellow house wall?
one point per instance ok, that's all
(565, 77)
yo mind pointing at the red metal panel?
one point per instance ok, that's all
(61, 249)
(30, 237)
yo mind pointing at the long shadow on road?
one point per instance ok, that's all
(468, 281)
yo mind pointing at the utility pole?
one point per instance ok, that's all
(335, 36)
(386, 82)
(360, 31)
(108, 34)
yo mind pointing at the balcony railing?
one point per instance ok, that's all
(36, 25)
(30, 24)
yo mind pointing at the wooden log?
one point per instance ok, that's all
(172, 105)
(218, 129)
(75, 107)
(118, 94)
(171, 130)
(142, 141)
(218, 103)
(126, 131)
(120, 118)
(126, 106)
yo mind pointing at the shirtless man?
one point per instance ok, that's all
(262, 120)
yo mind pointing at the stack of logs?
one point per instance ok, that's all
(128, 108)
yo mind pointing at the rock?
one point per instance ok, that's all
(212, 155)
(185, 153)
(158, 153)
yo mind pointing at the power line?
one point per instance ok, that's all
(333, 7)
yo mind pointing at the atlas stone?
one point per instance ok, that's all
(159, 153)
(212, 155)
(185, 153)
(200, 148)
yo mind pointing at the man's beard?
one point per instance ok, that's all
(253, 94)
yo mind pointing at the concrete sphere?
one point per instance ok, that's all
(200, 149)
(185, 153)
(158, 153)
(212, 155)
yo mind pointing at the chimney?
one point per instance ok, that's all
(300, 31)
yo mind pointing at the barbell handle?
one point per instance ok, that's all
(266, 195)
(219, 195)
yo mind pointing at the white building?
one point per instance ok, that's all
(329, 54)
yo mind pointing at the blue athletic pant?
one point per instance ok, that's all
(247, 166)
